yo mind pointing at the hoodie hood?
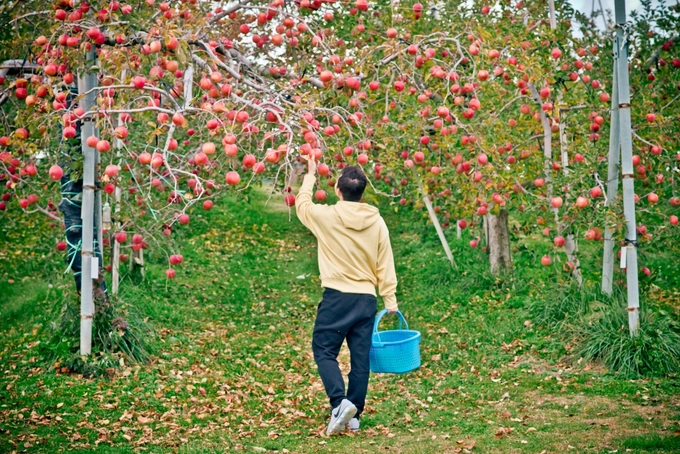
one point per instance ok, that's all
(356, 216)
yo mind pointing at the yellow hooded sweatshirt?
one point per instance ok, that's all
(355, 255)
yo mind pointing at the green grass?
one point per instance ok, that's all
(654, 443)
(233, 368)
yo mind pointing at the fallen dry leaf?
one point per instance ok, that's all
(503, 431)
(467, 443)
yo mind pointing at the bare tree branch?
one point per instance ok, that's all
(34, 13)
(654, 58)
(228, 11)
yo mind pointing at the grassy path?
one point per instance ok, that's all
(234, 370)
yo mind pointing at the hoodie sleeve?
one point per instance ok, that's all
(304, 207)
(387, 277)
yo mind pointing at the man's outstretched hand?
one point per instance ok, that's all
(311, 165)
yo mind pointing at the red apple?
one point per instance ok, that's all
(178, 119)
(103, 146)
(559, 241)
(144, 158)
(139, 82)
(233, 178)
(582, 202)
(111, 170)
(69, 132)
(249, 160)
(200, 159)
(546, 260)
(56, 172)
(259, 167)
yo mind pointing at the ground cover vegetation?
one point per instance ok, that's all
(175, 131)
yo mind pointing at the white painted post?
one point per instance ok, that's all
(612, 181)
(115, 265)
(90, 269)
(553, 21)
(433, 218)
(98, 207)
(547, 148)
(438, 228)
(570, 244)
(628, 172)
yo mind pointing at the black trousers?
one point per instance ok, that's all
(343, 316)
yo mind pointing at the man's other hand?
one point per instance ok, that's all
(393, 311)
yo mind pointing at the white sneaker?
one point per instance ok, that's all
(353, 425)
(340, 416)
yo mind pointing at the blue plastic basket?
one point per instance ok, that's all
(394, 351)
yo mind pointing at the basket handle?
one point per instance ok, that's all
(377, 322)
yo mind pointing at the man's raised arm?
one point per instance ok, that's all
(304, 207)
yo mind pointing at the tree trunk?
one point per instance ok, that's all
(499, 242)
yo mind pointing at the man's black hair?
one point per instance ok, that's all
(352, 183)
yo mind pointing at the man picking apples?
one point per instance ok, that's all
(355, 257)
